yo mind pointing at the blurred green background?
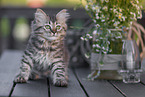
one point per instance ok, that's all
(51, 3)
(21, 29)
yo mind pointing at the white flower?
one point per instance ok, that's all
(134, 15)
(97, 50)
(97, 40)
(94, 45)
(113, 39)
(131, 12)
(97, 45)
(97, 17)
(103, 16)
(120, 10)
(94, 21)
(111, 8)
(101, 37)
(115, 11)
(108, 42)
(104, 52)
(82, 38)
(103, 48)
(90, 37)
(105, 8)
(116, 23)
(119, 15)
(95, 32)
(97, 8)
(117, 37)
(96, 14)
(97, 25)
(86, 39)
(94, 8)
(123, 18)
(102, 20)
(110, 50)
(109, 31)
(86, 7)
(130, 23)
(140, 15)
(107, 0)
(113, 20)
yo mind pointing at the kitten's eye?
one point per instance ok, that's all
(47, 27)
(58, 27)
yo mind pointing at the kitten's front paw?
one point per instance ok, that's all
(20, 79)
(60, 83)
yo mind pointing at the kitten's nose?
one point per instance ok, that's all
(54, 30)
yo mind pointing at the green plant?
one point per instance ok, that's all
(110, 17)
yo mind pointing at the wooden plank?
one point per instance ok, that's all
(8, 66)
(97, 88)
(132, 90)
(73, 89)
(143, 74)
(143, 64)
(34, 88)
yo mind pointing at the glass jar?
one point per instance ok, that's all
(130, 67)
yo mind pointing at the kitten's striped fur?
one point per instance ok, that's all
(46, 50)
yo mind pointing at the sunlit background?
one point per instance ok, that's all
(40, 3)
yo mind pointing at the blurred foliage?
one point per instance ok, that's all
(5, 26)
(67, 3)
(22, 20)
(51, 3)
(21, 29)
(77, 24)
(143, 4)
(13, 2)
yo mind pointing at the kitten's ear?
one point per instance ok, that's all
(62, 16)
(40, 17)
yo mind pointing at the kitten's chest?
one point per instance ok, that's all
(46, 54)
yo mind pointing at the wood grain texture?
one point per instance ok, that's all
(78, 85)
(9, 66)
(34, 88)
(73, 89)
(143, 74)
(9, 63)
(133, 90)
(97, 88)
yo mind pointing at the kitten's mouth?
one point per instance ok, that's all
(50, 38)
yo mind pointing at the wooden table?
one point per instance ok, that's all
(78, 86)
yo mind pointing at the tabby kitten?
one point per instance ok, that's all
(46, 52)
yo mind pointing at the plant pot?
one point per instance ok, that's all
(110, 67)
